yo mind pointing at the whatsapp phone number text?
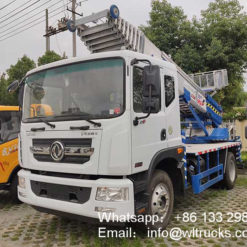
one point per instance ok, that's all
(211, 217)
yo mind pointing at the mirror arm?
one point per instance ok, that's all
(136, 120)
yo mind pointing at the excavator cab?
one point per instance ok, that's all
(39, 110)
(9, 164)
(9, 129)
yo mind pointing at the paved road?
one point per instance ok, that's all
(20, 225)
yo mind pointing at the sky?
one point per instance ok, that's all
(32, 43)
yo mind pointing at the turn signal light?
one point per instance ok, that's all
(180, 150)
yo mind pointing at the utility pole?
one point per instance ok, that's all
(73, 34)
(46, 31)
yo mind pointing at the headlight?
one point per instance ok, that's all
(22, 182)
(112, 194)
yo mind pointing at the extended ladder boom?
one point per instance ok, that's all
(114, 33)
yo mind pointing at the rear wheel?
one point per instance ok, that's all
(230, 172)
(161, 199)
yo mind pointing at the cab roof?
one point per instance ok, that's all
(108, 54)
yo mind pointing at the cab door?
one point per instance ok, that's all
(9, 128)
(150, 135)
(172, 108)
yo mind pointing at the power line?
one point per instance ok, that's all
(8, 4)
(30, 27)
(15, 9)
(30, 22)
(29, 13)
(26, 18)
(21, 11)
(21, 17)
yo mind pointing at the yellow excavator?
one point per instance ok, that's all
(9, 129)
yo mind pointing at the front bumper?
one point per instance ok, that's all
(86, 209)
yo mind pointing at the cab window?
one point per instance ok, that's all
(169, 90)
(9, 125)
(137, 89)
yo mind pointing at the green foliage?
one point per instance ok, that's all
(166, 26)
(189, 59)
(49, 57)
(244, 156)
(5, 98)
(236, 114)
(19, 70)
(242, 181)
(15, 72)
(216, 41)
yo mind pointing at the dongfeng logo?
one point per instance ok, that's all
(57, 151)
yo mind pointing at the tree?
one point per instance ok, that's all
(225, 33)
(19, 70)
(49, 57)
(165, 25)
(171, 31)
(3, 92)
(15, 72)
(216, 41)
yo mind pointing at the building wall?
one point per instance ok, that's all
(240, 131)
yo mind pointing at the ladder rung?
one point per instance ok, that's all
(110, 48)
(106, 45)
(99, 35)
(103, 40)
(96, 29)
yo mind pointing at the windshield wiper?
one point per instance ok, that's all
(53, 126)
(80, 114)
(38, 129)
(79, 127)
(92, 122)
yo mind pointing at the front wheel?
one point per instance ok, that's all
(161, 199)
(230, 172)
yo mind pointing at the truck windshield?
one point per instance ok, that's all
(89, 90)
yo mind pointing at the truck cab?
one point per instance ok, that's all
(89, 156)
(111, 140)
(9, 164)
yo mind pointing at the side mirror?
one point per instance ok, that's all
(246, 132)
(20, 95)
(151, 89)
(13, 87)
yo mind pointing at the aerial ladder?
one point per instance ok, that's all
(201, 114)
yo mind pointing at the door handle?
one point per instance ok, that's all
(163, 135)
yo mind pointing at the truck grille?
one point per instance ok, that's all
(44, 154)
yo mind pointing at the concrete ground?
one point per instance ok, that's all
(21, 225)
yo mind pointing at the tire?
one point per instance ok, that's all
(13, 189)
(161, 192)
(230, 175)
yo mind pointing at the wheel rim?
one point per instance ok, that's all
(232, 171)
(160, 200)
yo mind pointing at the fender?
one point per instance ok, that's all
(142, 180)
(168, 153)
(14, 171)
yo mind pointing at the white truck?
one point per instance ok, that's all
(128, 129)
